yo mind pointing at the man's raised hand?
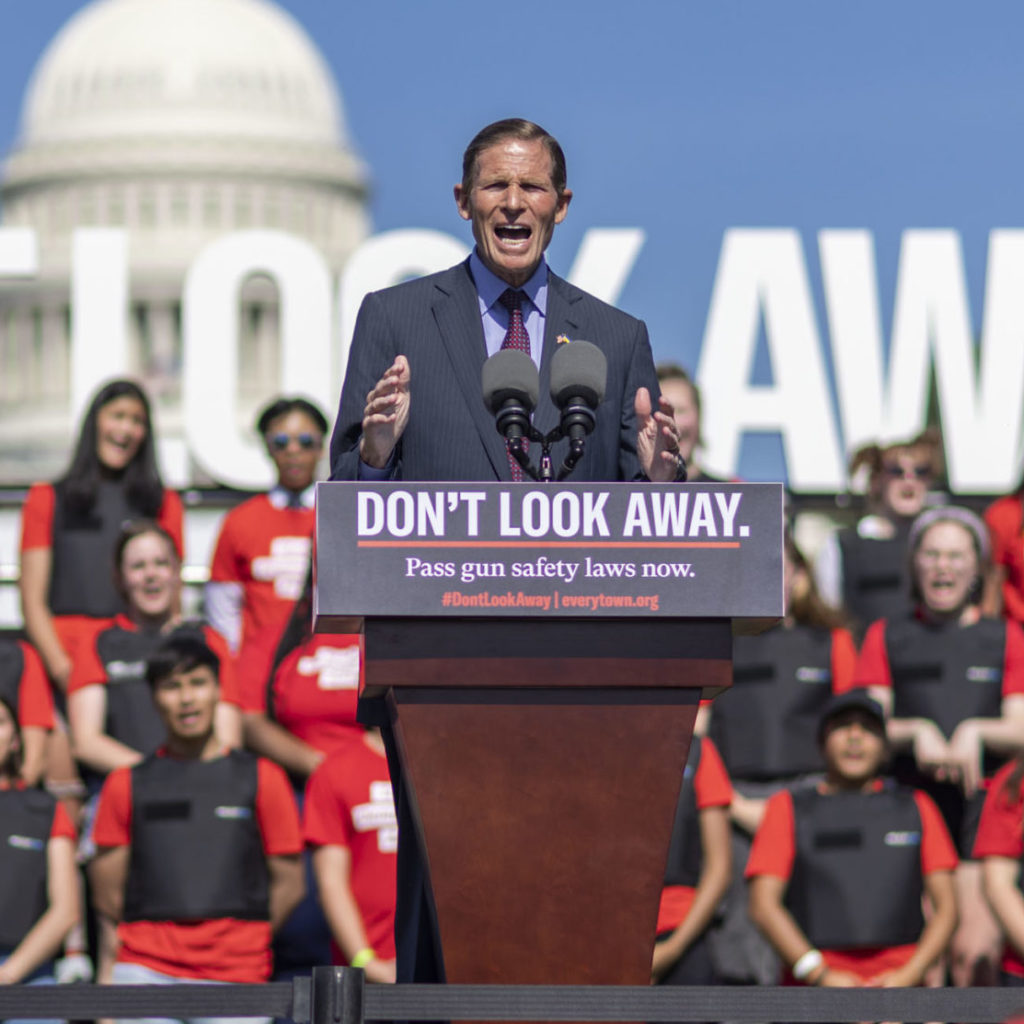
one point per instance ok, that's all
(657, 440)
(385, 415)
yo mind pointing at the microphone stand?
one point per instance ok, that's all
(545, 473)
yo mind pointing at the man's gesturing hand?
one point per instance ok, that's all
(386, 414)
(657, 440)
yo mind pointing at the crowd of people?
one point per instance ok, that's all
(851, 811)
(154, 769)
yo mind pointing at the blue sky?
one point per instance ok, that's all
(684, 118)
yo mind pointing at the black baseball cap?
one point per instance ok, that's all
(859, 700)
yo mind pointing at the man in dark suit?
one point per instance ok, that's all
(412, 406)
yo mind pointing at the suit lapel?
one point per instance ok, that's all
(457, 316)
(563, 318)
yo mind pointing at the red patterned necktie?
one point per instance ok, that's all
(517, 338)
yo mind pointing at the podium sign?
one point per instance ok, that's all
(500, 550)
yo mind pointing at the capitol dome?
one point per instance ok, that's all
(235, 68)
(176, 122)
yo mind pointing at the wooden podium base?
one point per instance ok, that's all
(543, 762)
(545, 816)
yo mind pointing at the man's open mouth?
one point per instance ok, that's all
(512, 232)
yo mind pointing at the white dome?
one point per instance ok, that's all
(224, 69)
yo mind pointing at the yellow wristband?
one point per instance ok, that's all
(363, 957)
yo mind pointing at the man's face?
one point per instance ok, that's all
(513, 206)
(187, 702)
(854, 746)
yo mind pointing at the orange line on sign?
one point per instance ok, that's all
(548, 544)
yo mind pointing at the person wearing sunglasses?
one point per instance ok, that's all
(262, 553)
(864, 568)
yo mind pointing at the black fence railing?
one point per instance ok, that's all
(339, 996)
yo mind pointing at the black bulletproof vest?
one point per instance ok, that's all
(82, 579)
(684, 851)
(766, 724)
(946, 673)
(26, 820)
(12, 668)
(197, 853)
(132, 718)
(876, 576)
(856, 880)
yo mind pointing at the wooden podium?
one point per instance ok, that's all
(543, 755)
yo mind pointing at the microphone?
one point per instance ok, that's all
(579, 372)
(511, 387)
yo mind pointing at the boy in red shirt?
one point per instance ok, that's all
(350, 824)
(198, 847)
(837, 873)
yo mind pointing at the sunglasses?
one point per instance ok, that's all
(897, 472)
(307, 442)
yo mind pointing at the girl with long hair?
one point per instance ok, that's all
(69, 527)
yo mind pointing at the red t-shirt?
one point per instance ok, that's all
(266, 549)
(712, 789)
(774, 849)
(844, 660)
(89, 670)
(349, 803)
(35, 698)
(63, 828)
(1005, 520)
(873, 663)
(1001, 834)
(315, 690)
(37, 518)
(221, 949)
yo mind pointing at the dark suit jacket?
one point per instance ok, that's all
(435, 322)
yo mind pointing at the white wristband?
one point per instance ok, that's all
(807, 964)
